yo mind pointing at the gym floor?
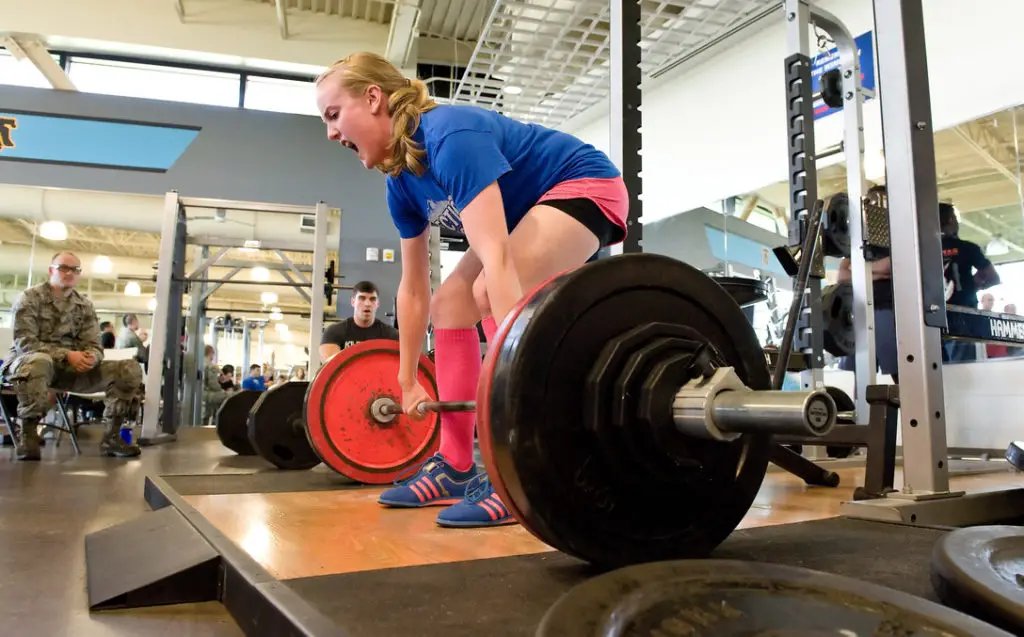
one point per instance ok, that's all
(322, 536)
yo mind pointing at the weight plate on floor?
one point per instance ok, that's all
(980, 570)
(837, 306)
(341, 428)
(729, 598)
(277, 427)
(546, 462)
(232, 421)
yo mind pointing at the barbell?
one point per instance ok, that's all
(624, 412)
(721, 405)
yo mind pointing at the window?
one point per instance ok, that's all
(281, 96)
(150, 81)
(21, 73)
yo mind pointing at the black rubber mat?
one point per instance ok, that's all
(268, 481)
(508, 596)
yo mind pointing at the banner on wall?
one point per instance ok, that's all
(92, 142)
(829, 60)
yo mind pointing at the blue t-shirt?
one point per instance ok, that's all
(256, 383)
(467, 149)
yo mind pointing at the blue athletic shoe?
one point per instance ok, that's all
(435, 483)
(481, 507)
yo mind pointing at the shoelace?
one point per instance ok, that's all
(479, 487)
(411, 473)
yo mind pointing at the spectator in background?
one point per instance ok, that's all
(299, 373)
(213, 394)
(227, 378)
(886, 354)
(987, 302)
(363, 325)
(255, 381)
(967, 271)
(129, 338)
(107, 338)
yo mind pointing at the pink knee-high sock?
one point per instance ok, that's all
(457, 361)
(490, 327)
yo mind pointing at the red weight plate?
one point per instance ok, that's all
(339, 425)
(483, 408)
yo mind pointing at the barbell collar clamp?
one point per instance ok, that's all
(723, 408)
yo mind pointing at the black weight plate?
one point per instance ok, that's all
(728, 598)
(831, 84)
(232, 421)
(744, 290)
(835, 227)
(980, 570)
(837, 306)
(549, 466)
(277, 427)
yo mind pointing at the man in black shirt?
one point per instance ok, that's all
(967, 271)
(107, 338)
(363, 326)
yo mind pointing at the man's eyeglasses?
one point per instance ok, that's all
(67, 268)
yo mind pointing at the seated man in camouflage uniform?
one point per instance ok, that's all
(57, 346)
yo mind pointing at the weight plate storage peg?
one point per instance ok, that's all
(606, 488)
(730, 598)
(980, 570)
(277, 427)
(347, 424)
(232, 421)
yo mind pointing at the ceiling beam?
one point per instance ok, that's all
(988, 233)
(402, 35)
(30, 47)
(986, 156)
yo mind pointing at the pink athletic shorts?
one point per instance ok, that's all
(609, 194)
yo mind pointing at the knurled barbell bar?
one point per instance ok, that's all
(718, 408)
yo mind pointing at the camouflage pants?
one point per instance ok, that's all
(212, 401)
(33, 375)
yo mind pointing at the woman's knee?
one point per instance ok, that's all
(483, 302)
(452, 305)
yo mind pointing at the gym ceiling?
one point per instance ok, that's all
(545, 61)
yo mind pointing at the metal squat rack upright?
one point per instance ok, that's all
(166, 401)
(803, 189)
(917, 275)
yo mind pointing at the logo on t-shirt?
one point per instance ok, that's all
(444, 214)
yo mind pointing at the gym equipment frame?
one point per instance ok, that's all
(159, 425)
(921, 312)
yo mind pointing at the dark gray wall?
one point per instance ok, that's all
(239, 154)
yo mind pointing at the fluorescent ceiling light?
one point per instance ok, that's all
(997, 247)
(259, 273)
(510, 89)
(132, 289)
(53, 231)
(268, 298)
(102, 265)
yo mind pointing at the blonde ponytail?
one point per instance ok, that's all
(408, 99)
